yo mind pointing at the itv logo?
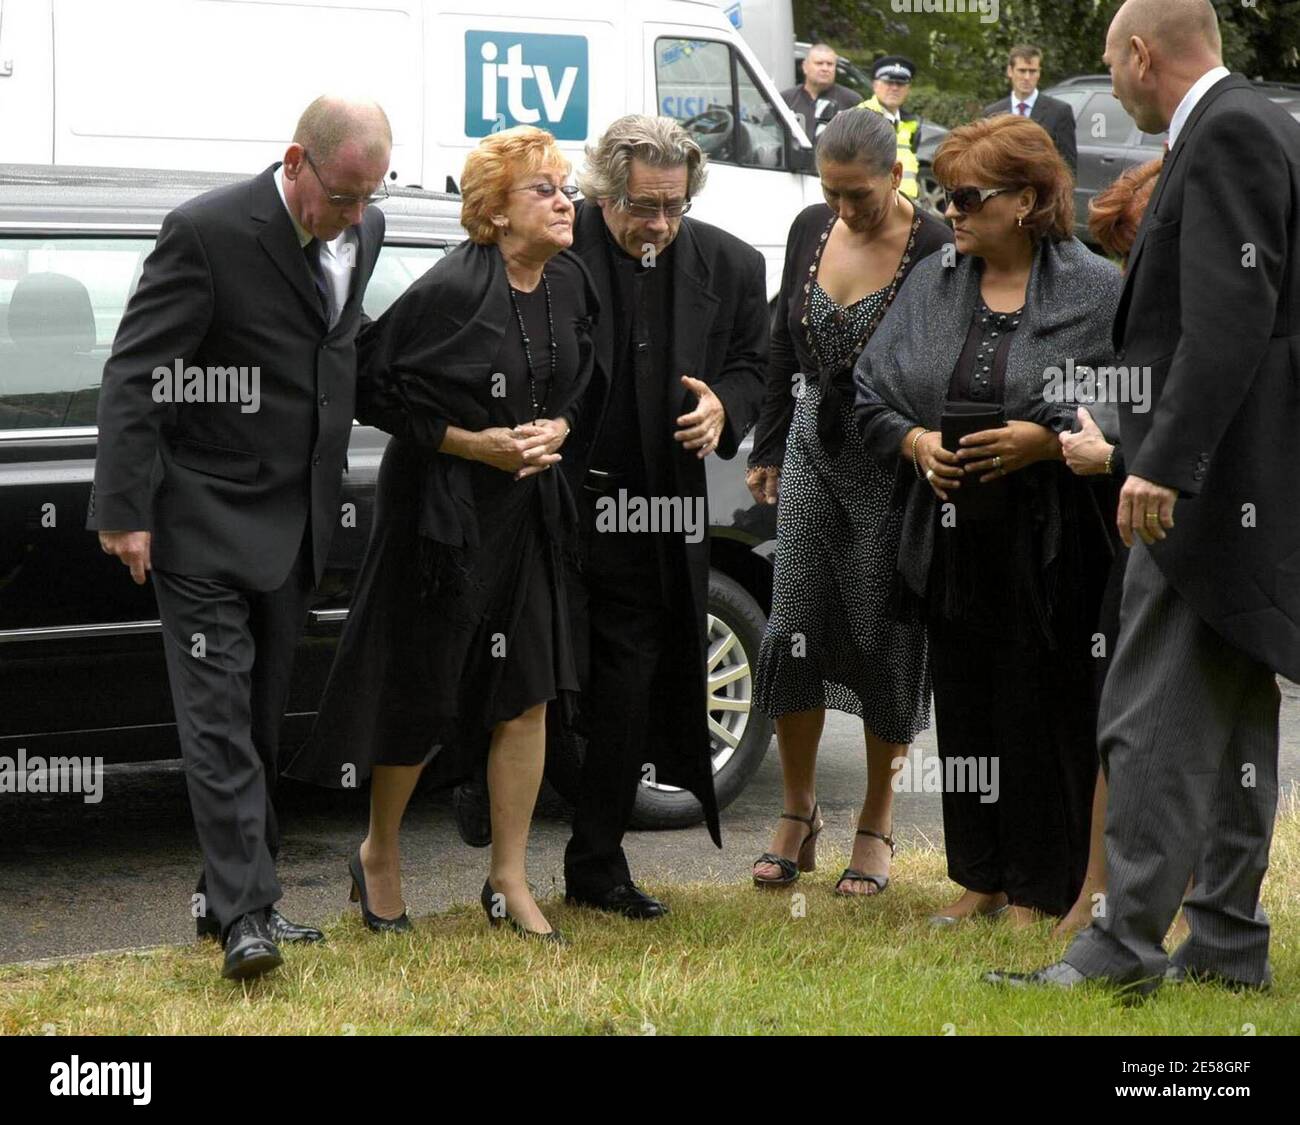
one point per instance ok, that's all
(516, 79)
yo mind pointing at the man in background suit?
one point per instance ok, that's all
(1188, 729)
(1024, 69)
(232, 504)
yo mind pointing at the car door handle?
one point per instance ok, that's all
(1108, 160)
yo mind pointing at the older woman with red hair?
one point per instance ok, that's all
(1004, 551)
(458, 640)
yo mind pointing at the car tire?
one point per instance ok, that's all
(931, 197)
(741, 734)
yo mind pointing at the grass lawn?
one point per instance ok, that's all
(729, 959)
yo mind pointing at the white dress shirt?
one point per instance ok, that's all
(335, 257)
(1029, 103)
(1194, 95)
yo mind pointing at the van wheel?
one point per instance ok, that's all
(740, 734)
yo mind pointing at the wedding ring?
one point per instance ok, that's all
(1152, 516)
(929, 474)
(997, 462)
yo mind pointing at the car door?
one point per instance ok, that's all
(80, 659)
(81, 662)
(1106, 136)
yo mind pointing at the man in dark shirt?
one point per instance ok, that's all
(820, 97)
(680, 347)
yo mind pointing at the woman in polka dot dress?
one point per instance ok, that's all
(831, 641)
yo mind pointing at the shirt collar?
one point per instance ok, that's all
(1029, 101)
(1194, 95)
(304, 236)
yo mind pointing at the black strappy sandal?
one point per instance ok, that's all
(807, 856)
(853, 875)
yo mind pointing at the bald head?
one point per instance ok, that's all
(1170, 27)
(1156, 50)
(338, 159)
(330, 122)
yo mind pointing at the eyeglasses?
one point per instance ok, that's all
(546, 190)
(337, 200)
(969, 200)
(645, 210)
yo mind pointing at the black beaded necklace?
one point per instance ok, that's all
(538, 408)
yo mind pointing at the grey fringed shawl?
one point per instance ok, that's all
(901, 378)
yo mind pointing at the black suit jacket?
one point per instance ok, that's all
(227, 494)
(1053, 115)
(1211, 305)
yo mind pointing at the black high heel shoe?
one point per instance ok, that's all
(358, 894)
(494, 917)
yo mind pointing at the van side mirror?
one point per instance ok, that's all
(800, 159)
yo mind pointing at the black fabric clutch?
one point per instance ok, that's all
(973, 500)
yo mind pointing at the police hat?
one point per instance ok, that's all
(893, 68)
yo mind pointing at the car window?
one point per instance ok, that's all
(395, 269)
(61, 300)
(704, 86)
(1104, 122)
(60, 303)
(1073, 96)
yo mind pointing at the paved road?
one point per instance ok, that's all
(76, 878)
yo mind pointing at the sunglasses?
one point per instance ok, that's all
(969, 200)
(545, 190)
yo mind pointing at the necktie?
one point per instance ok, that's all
(1024, 109)
(323, 288)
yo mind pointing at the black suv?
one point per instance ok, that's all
(81, 662)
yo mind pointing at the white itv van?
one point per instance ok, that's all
(217, 85)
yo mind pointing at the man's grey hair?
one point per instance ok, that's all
(658, 141)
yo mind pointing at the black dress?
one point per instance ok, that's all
(440, 645)
(1011, 655)
(831, 641)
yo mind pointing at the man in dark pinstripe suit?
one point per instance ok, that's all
(1189, 718)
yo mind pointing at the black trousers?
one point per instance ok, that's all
(229, 661)
(618, 598)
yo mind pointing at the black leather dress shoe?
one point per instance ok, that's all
(469, 802)
(625, 899)
(282, 930)
(250, 952)
(1057, 975)
(1065, 976)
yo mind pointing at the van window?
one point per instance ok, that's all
(395, 269)
(60, 303)
(710, 91)
(1104, 122)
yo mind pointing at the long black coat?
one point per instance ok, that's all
(720, 336)
(226, 494)
(1211, 304)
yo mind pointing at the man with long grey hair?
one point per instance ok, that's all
(680, 349)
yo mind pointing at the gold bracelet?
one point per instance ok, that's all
(1110, 459)
(914, 441)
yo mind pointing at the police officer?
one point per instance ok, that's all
(892, 82)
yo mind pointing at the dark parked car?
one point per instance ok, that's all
(1110, 141)
(81, 662)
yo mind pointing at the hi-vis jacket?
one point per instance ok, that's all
(907, 129)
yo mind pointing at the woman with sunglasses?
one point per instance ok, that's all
(1004, 550)
(457, 640)
(830, 640)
